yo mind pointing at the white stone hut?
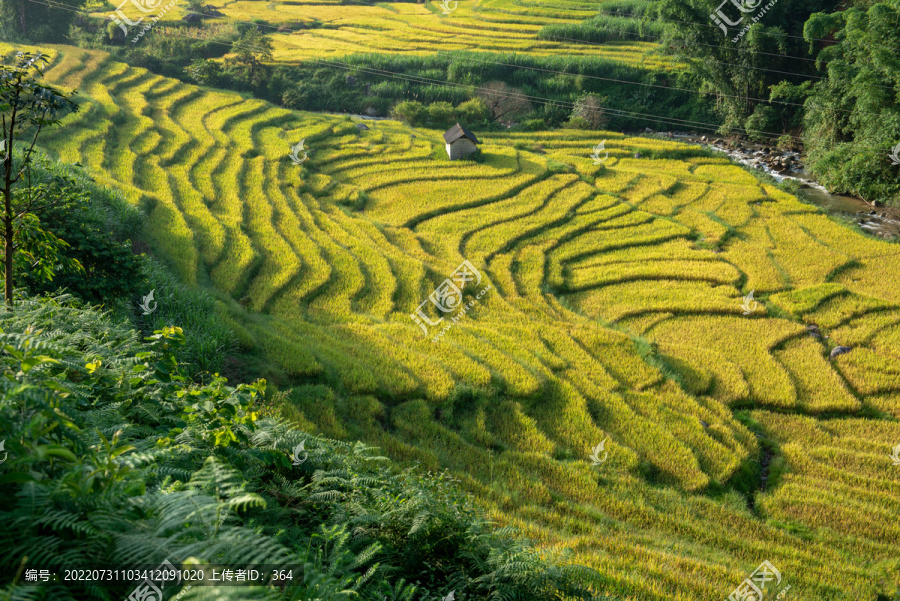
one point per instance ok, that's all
(460, 142)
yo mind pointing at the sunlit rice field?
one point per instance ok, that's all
(616, 312)
(330, 30)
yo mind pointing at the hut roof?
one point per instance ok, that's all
(458, 131)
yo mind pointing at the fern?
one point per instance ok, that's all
(114, 462)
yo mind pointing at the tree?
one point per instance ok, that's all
(590, 108)
(473, 112)
(39, 21)
(251, 50)
(505, 102)
(97, 263)
(26, 108)
(204, 71)
(738, 67)
(852, 118)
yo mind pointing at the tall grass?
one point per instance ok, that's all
(209, 339)
(630, 8)
(604, 28)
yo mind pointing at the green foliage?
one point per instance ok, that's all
(209, 339)
(442, 115)
(473, 112)
(604, 28)
(94, 225)
(852, 119)
(524, 72)
(741, 69)
(97, 225)
(785, 91)
(40, 254)
(764, 119)
(22, 21)
(117, 457)
(412, 112)
(227, 418)
(576, 122)
(27, 108)
(167, 49)
(312, 87)
(204, 72)
(250, 51)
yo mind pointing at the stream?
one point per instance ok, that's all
(883, 222)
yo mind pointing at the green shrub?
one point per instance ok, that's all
(209, 341)
(473, 112)
(604, 28)
(204, 72)
(577, 123)
(411, 112)
(97, 225)
(762, 122)
(443, 115)
(117, 457)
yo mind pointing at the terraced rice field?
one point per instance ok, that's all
(330, 29)
(601, 276)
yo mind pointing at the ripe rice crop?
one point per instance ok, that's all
(615, 313)
(419, 29)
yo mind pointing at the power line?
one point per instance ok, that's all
(432, 15)
(637, 83)
(746, 67)
(622, 81)
(597, 77)
(658, 39)
(657, 19)
(654, 38)
(702, 125)
(707, 59)
(660, 19)
(532, 98)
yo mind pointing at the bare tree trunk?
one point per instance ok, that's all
(22, 21)
(8, 243)
(8, 230)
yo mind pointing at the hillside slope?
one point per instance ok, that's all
(603, 279)
(332, 29)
